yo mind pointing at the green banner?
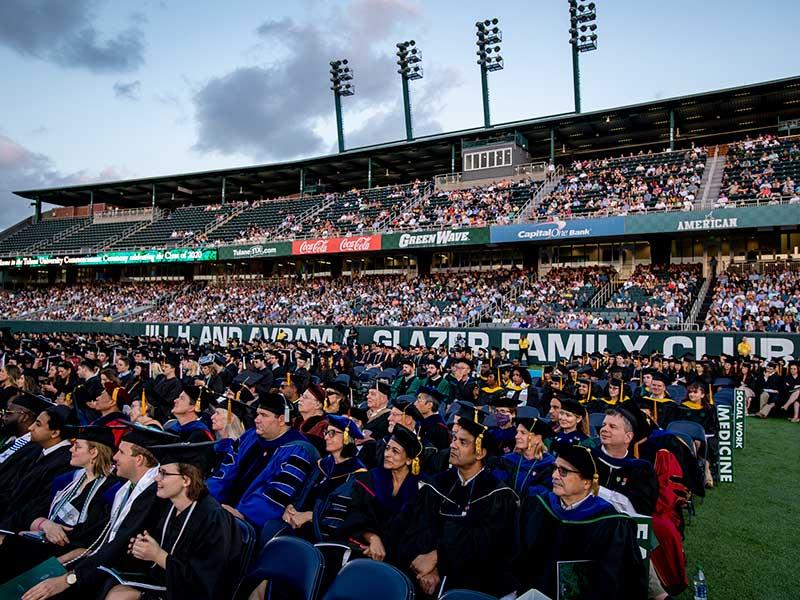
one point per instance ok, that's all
(727, 420)
(739, 413)
(718, 219)
(544, 345)
(116, 258)
(435, 239)
(265, 250)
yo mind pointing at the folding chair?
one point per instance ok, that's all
(364, 578)
(292, 567)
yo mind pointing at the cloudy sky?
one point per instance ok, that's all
(96, 90)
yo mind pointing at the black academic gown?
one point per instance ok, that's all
(631, 477)
(373, 509)
(145, 513)
(31, 496)
(202, 561)
(12, 469)
(472, 527)
(592, 531)
(20, 553)
(434, 432)
(379, 426)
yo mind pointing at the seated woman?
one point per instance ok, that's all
(230, 419)
(528, 470)
(615, 393)
(573, 423)
(380, 495)
(195, 551)
(79, 511)
(321, 512)
(699, 408)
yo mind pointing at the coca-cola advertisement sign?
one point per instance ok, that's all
(356, 243)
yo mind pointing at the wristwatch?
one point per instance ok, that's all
(72, 578)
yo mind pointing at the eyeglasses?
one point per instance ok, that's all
(162, 473)
(563, 471)
(332, 433)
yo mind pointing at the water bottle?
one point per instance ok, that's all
(700, 585)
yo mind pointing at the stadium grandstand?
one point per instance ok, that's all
(484, 364)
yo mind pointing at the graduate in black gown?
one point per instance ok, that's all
(373, 524)
(194, 550)
(78, 511)
(528, 469)
(571, 525)
(460, 530)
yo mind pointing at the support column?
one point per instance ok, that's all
(487, 119)
(91, 203)
(223, 191)
(576, 78)
(302, 180)
(552, 146)
(452, 158)
(369, 171)
(37, 209)
(153, 196)
(671, 129)
(339, 127)
(407, 109)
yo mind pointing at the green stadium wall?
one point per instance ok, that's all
(545, 345)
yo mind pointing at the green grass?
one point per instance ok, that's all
(746, 534)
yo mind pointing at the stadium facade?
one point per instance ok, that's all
(163, 227)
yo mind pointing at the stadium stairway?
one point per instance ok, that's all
(712, 177)
(700, 317)
(550, 184)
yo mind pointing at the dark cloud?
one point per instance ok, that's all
(128, 91)
(62, 32)
(21, 169)
(271, 112)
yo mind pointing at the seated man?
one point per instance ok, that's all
(187, 408)
(433, 430)
(31, 495)
(462, 524)
(406, 382)
(572, 525)
(312, 420)
(267, 469)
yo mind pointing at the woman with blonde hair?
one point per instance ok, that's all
(9, 377)
(528, 469)
(79, 510)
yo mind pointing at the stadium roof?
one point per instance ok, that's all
(707, 117)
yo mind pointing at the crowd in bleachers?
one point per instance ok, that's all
(450, 464)
(384, 300)
(81, 302)
(638, 183)
(753, 301)
(765, 169)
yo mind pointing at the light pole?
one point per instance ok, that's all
(488, 36)
(582, 38)
(341, 77)
(409, 58)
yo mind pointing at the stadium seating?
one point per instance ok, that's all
(364, 578)
(92, 237)
(761, 170)
(362, 210)
(36, 233)
(642, 183)
(265, 221)
(179, 227)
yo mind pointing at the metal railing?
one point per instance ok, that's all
(552, 179)
(155, 215)
(40, 245)
(605, 292)
(698, 303)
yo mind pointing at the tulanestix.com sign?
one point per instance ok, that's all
(360, 243)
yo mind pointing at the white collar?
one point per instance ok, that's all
(573, 506)
(52, 449)
(461, 479)
(603, 448)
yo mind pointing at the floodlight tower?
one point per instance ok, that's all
(341, 78)
(582, 38)
(409, 58)
(488, 36)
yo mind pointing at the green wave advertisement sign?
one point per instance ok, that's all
(116, 258)
(435, 239)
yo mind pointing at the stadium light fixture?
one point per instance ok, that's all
(409, 59)
(582, 38)
(342, 85)
(488, 36)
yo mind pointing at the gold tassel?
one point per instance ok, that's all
(415, 466)
(114, 395)
(475, 418)
(710, 394)
(346, 436)
(197, 406)
(68, 399)
(288, 377)
(479, 444)
(530, 441)
(622, 384)
(230, 411)
(143, 404)
(595, 484)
